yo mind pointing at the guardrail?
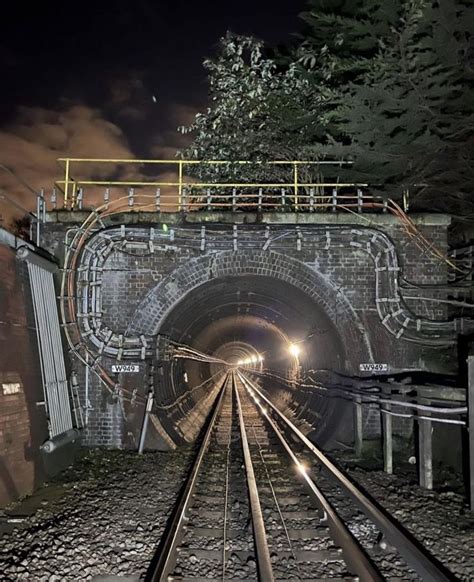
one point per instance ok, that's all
(166, 185)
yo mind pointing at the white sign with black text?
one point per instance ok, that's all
(373, 367)
(125, 368)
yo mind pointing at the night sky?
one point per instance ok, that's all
(79, 78)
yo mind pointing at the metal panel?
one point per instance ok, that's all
(53, 369)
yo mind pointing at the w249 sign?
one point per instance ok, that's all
(373, 367)
(125, 368)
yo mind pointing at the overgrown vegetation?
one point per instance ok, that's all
(385, 84)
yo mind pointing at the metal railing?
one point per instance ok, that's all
(293, 187)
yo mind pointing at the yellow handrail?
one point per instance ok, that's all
(69, 184)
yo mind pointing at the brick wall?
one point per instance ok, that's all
(22, 422)
(139, 289)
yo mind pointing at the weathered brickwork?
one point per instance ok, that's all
(140, 288)
(22, 420)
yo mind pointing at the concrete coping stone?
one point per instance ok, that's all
(277, 218)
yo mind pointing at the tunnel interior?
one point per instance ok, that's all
(240, 318)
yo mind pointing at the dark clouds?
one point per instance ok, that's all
(112, 79)
(36, 138)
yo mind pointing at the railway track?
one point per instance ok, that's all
(251, 510)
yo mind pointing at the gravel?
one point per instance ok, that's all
(114, 506)
(108, 520)
(441, 521)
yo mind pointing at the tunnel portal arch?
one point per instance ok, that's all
(168, 293)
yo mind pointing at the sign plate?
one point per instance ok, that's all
(373, 367)
(125, 368)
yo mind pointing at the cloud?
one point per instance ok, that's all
(32, 143)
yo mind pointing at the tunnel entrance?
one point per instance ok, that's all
(237, 307)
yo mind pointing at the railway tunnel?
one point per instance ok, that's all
(183, 332)
(254, 290)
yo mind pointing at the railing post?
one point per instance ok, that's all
(131, 193)
(283, 202)
(334, 200)
(359, 200)
(234, 199)
(311, 199)
(259, 200)
(38, 212)
(106, 197)
(43, 206)
(209, 199)
(74, 192)
(184, 195)
(54, 199)
(158, 199)
(66, 182)
(295, 184)
(80, 197)
(180, 184)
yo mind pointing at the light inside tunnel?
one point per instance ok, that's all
(244, 321)
(294, 349)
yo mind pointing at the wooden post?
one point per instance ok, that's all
(387, 436)
(470, 404)
(358, 429)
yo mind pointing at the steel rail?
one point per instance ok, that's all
(262, 552)
(354, 555)
(417, 557)
(165, 558)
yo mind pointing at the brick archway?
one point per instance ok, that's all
(165, 296)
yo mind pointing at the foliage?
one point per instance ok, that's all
(386, 84)
(411, 121)
(257, 109)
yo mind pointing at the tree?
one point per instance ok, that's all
(385, 84)
(258, 111)
(411, 120)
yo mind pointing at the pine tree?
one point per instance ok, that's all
(411, 121)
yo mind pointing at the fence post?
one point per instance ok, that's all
(209, 199)
(234, 200)
(425, 449)
(260, 196)
(358, 429)
(387, 435)
(311, 199)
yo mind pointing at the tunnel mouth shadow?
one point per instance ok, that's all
(230, 306)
